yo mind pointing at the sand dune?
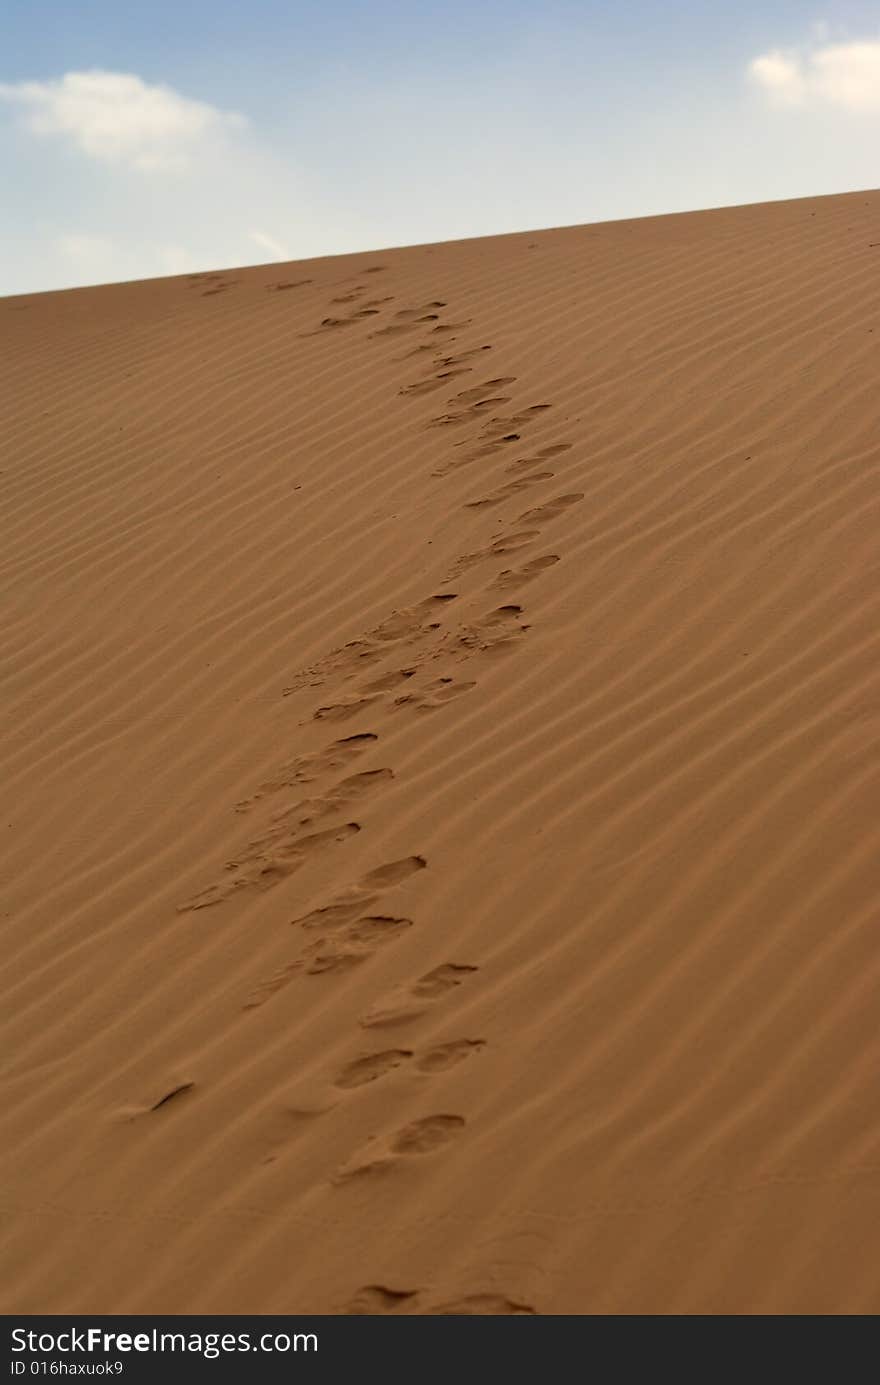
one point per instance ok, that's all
(440, 778)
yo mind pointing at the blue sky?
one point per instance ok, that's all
(139, 140)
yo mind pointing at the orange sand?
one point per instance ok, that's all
(440, 778)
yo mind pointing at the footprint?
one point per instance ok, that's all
(497, 633)
(447, 1055)
(483, 1305)
(351, 906)
(392, 1013)
(484, 392)
(436, 382)
(357, 784)
(333, 962)
(285, 841)
(328, 956)
(524, 465)
(515, 421)
(433, 1060)
(411, 319)
(435, 694)
(333, 323)
(266, 862)
(418, 1139)
(334, 915)
(503, 613)
(511, 578)
(426, 313)
(348, 790)
(505, 492)
(411, 624)
(445, 420)
(482, 404)
(308, 810)
(353, 944)
(306, 768)
(388, 680)
(444, 689)
(218, 894)
(405, 1004)
(427, 1135)
(411, 621)
(509, 543)
(467, 415)
(552, 509)
(441, 362)
(377, 928)
(374, 1299)
(374, 1066)
(377, 1299)
(393, 873)
(264, 990)
(341, 711)
(442, 979)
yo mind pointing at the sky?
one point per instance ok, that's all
(146, 139)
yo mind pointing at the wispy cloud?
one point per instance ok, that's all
(267, 242)
(117, 118)
(842, 75)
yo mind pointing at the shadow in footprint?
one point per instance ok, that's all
(394, 872)
(448, 1055)
(552, 509)
(511, 578)
(375, 1299)
(341, 711)
(426, 1135)
(371, 1068)
(442, 979)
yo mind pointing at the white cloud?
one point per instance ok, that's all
(780, 75)
(845, 75)
(267, 242)
(117, 118)
(849, 75)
